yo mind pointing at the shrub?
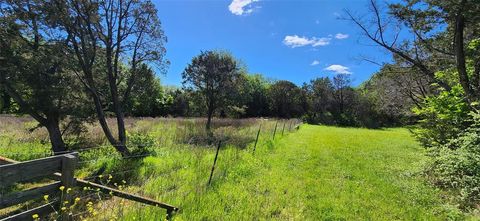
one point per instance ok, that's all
(141, 144)
(455, 166)
(443, 117)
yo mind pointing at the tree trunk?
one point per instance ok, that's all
(103, 123)
(6, 102)
(51, 122)
(55, 134)
(209, 120)
(460, 56)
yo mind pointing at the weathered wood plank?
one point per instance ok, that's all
(41, 211)
(107, 190)
(121, 194)
(4, 160)
(69, 163)
(26, 195)
(28, 170)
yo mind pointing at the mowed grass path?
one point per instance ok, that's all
(316, 173)
(328, 173)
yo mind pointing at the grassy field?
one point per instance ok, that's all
(315, 173)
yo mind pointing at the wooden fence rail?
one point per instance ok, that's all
(60, 168)
(34, 169)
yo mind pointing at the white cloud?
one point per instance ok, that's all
(339, 69)
(321, 41)
(341, 36)
(315, 62)
(241, 7)
(294, 41)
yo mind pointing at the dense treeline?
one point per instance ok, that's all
(325, 100)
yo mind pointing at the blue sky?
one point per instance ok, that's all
(295, 40)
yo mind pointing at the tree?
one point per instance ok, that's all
(257, 89)
(394, 91)
(147, 98)
(111, 39)
(320, 96)
(341, 86)
(344, 101)
(180, 104)
(285, 99)
(5, 102)
(213, 74)
(431, 50)
(35, 71)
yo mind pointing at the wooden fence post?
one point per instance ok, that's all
(69, 162)
(275, 130)
(60, 167)
(283, 130)
(256, 139)
(169, 214)
(214, 162)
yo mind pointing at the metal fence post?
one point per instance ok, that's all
(256, 139)
(214, 162)
(275, 130)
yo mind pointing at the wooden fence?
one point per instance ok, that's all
(61, 168)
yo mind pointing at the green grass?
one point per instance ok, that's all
(317, 173)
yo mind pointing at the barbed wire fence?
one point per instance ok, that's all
(262, 136)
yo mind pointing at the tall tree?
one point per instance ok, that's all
(213, 74)
(285, 99)
(445, 35)
(110, 39)
(341, 85)
(147, 98)
(34, 67)
(257, 97)
(320, 96)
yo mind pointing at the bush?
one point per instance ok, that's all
(444, 117)
(455, 166)
(141, 144)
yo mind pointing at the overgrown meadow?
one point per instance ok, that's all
(171, 162)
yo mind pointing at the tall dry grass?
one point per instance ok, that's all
(22, 135)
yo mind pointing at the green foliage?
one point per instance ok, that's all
(455, 166)
(253, 91)
(443, 117)
(286, 99)
(148, 97)
(319, 97)
(141, 140)
(213, 74)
